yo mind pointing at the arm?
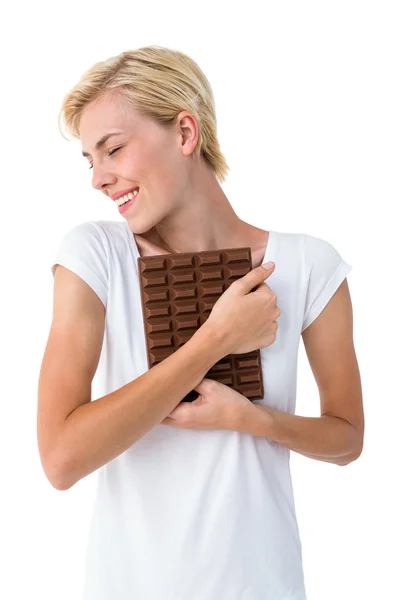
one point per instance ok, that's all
(77, 436)
(99, 431)
(325, 438)
(337, 435)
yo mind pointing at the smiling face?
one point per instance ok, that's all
(144, 154)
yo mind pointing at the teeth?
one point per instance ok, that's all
(127, 197)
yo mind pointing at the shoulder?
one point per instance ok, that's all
(286, 245)
(108, 234)
(309, 249)
(322, 258)
(324, 271)
(109, 229)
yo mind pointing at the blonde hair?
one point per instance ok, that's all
(159, 83)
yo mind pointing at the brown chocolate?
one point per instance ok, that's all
(178, 292)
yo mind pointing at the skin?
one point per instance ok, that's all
(181, 207)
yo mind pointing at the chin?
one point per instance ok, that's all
(138, 227)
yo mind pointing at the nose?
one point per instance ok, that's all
(101, 179)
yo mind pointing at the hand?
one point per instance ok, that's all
(215, 408)
(245, 314)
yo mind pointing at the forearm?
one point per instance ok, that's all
(99, 431)
(324, 438)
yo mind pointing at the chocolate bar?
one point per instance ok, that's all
(178, 292)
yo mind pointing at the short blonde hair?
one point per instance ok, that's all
(159, 83)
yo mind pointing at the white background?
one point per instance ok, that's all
(307, 100)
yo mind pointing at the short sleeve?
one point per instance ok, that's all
(82, 251)
(325, 270)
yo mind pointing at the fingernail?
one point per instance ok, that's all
(267, 265)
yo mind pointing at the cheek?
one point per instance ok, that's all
(162, 172)
(156, 166)
(166, 161)
(172, 168)
(142, 164)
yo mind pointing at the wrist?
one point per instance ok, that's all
(214, 340)
(207, 347)
(252, 418)
(242, 417)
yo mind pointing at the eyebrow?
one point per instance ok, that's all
(101, 142)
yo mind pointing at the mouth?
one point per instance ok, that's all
(127, 201)
(120, 197)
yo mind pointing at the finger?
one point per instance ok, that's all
(200, 386)
(254, 277)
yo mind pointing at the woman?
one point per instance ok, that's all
(194, 499)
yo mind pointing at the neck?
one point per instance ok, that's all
(203, 220)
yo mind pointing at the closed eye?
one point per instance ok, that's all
(109, 154)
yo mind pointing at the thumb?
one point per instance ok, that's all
(268, 266)
(254, 277)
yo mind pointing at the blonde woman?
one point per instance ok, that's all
(194, 499)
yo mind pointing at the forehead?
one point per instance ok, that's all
(109, 113)
(112, 114)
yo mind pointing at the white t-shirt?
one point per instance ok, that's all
(197, 514)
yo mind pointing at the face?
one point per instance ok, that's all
(144, 154)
